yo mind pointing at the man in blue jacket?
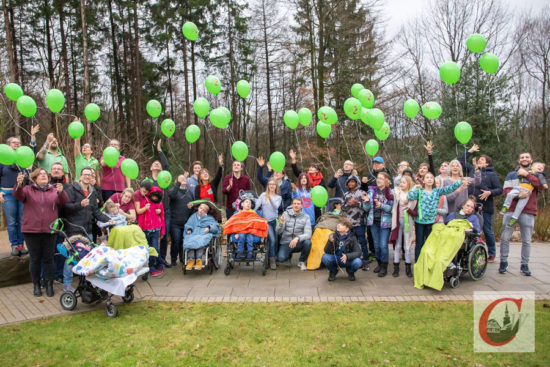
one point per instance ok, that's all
(484, 193)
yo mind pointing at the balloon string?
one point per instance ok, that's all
(97, 126)
(299, 148)
(328, 154)
(347, 146)
(359, 135)
(321, 163)
(12, 118)
(229, 134)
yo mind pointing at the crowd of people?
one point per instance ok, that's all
(375, 209)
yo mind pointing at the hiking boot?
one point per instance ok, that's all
(383, 270)
(503, 266)
(332, 275)
(37, 291)
(525, 270)
(395, 270)
(378, 267)
(408, 270)
(49, 288)
(273, 263)
(190, 264)
(302, 266)
(198, 264)
(351, 276)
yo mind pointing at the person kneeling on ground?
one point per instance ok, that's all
(295, 229)
(342, 250)
(199, 230)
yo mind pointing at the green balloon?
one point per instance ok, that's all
(366, 98)
(463, 132)
(7, 155)
(319, 196)
(489, 63)
(92, 111)
(323, 129)
(327, 115)
(13, 91)
(164, 179)
(355, 89)
(431, 110)
(201, 107)
(24, 157)
(243, 88)
(26, 106)
(449, 72)
(154, 108)
(291, 119)
(192, 133)
(76, 129)
(129, 168)
(383, 133)
(227, 115)
(277, 161)
(168, 127)
(411, 108)
(364, 116)
(190, 31)
(371, 147)
(352, 108)
(239, 150)
(110, 156)
(213, 84)
(476, 43)
(375, 118)
(305, 116)
(55, 100)
(218, 118)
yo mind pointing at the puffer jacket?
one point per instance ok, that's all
(41, 206)
(295, 225)
(355, 213)
(352, 249)
(78, 215)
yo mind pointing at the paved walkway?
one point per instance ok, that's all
(288, 284)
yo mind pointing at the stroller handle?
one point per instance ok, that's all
(61, 221)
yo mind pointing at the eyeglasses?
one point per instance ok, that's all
(86, 174)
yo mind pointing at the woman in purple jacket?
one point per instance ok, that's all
(41, 202)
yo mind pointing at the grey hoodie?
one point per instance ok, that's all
(295, 225)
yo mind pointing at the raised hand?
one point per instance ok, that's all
(159, 143)
(474, 148)
(292, 154)
(20, 178)
(220, 160)
(429, 147)
(261, 161)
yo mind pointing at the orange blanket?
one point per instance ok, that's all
(246, 222)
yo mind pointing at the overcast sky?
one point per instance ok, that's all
(398, 12)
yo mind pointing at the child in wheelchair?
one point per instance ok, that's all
(200, 229)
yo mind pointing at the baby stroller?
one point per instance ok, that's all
(213, 252)
(470, 258)
(78, 248)
(260, 247)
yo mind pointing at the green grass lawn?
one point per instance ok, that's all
(256, 334)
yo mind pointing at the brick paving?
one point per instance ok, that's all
(289, 284)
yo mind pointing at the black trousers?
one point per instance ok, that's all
(370, 240)
(41, 250)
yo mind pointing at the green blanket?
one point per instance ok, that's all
(438, 251)
(129, 236)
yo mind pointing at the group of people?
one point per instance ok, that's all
(375, 209)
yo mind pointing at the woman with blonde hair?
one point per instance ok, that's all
(403, 224)
(455, 199)
(269, 203)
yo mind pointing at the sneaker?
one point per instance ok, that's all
(15, 251)
(491, 259)
(302, 266)
(23, 250)
(240, 256)
(351, 276)
(68, 288)
(502, 268)
(167, 264)
(503, 210)
(59, 279)
(198, 264)
(190, 264)
(250, 256)
(332, 276)
(525, 270)
(173, 263)
(272, 263)
(511, 222)
(157, 272)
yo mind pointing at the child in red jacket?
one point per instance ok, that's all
(150, 216)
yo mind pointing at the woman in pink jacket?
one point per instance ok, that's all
(41, 202)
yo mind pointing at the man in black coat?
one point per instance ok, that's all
(484, 193)
(179, 198)
(82, 209)
(338, 182)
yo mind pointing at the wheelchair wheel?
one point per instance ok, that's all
(68, 301)
(111, 310)
(129, 296)
(477, 261)
(454, 282)
(217, 254)
(227, 270)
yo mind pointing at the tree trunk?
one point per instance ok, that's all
(268, 84)
(235, 125)
(186, 81)
(194, 78)
(170, 89)
(116, 65)
(137, 75)
(87, 93)
(12, 55)
(64, 57)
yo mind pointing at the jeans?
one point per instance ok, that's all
(67, 274)
(152, 236)
(285, 251)
(176, 246)
(488, 231)
(41, 249)
(14, 214)
(526, 225)
(332, 263)
(247, 238)
(272, 238)
(360, 233)
(381, 236)
(422, 233)
(370, 239)
(196, 254)
(164, 240)
(401, 243)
